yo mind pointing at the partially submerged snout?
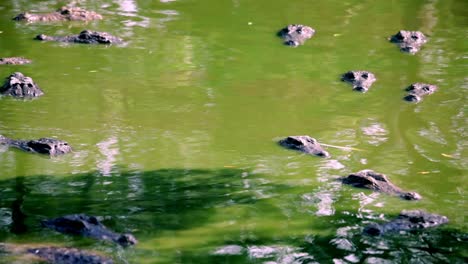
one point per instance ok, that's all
(126, 240)
(411, 196)
(304, 144)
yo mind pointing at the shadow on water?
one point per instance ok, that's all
(166, 199)
(143, 203)
(151, 204)
(18, 226)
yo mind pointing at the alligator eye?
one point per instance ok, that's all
(93, 220)
(372, 230)
(349, 75)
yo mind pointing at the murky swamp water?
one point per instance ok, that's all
(174, 134)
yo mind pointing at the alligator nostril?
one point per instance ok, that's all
(412, 98)
(292, 43)
(360, 89)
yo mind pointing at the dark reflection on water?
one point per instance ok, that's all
(143, 203)
(151, 203)
(148, 201)
(17, 216)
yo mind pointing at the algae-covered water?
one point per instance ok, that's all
(174, 133)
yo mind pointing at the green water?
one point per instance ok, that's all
(174, 134)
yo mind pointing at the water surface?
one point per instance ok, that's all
(174, 133)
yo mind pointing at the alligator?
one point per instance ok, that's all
(409, 41)
(20, 86)
(14, 61)
(53, 254)
(372, 180)
(417, 90)
(68, 256)
(304, 144)
(88, 226)
(85, 37)
(407, 220)
(49, 146)
(361, 80)
(65, 13)
(295, 35)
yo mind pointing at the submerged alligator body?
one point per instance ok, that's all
(49, 146)
(417, 91)
(62, 14)
(85, 37)
(20, 86)
(409, 41)
(88, 226)
(57, 255)
(304, 144)
(369, 179)
(51, 254)
(295, 35)
(407, 221)
(14, 61)
(360, 80)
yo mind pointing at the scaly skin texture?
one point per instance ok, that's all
(44, 253)
(89, 226)
(304, 144)
(409, 41)
(68, 255)
(360, 80)
(407, 221)
(369, 179)
(85, 37)
(48, 146)
(62, 14)
(417, 91)
(295, 35)
(20, 86)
